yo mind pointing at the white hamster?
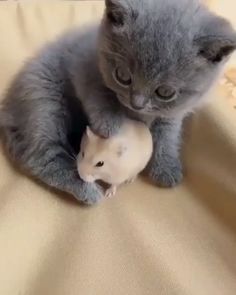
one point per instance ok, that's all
(117, 159)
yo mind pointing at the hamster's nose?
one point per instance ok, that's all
(138, 102)
(89, 178)
(86, 178)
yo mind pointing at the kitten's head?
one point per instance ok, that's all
(161, 56)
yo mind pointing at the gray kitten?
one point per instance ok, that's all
(151, 60)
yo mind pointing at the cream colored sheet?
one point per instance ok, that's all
(146, 241)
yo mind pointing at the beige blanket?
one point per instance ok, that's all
(144, 241)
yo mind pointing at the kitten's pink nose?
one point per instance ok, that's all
(138, 102)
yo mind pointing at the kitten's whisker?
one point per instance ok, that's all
(72, 156)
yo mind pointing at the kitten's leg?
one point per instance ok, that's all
(51, 162)
(36, 121)
(165, 167)
(111, 191)
(104, 113)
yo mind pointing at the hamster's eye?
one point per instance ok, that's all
(99, 164)
(82, 154)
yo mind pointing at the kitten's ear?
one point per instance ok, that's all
(121, 150)
(216, 48)
(115, 12)
(218, 41)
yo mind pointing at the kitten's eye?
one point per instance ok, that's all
(99, 164)
(165, 93)
(122, 76)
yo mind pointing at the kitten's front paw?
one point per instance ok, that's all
(166, 172)
(107, 125)
(90, 193)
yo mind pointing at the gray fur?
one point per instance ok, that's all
(178, 43)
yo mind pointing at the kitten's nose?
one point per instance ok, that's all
(138, 102)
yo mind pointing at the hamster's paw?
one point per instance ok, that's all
(131, 180)
(89, 193)
(110, 192)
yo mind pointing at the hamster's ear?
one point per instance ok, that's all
(217, 41)
(121, 150)
(90, 133)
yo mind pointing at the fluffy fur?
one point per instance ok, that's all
(121, 157)
(151, 60)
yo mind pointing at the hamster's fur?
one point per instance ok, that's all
(117, 159)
